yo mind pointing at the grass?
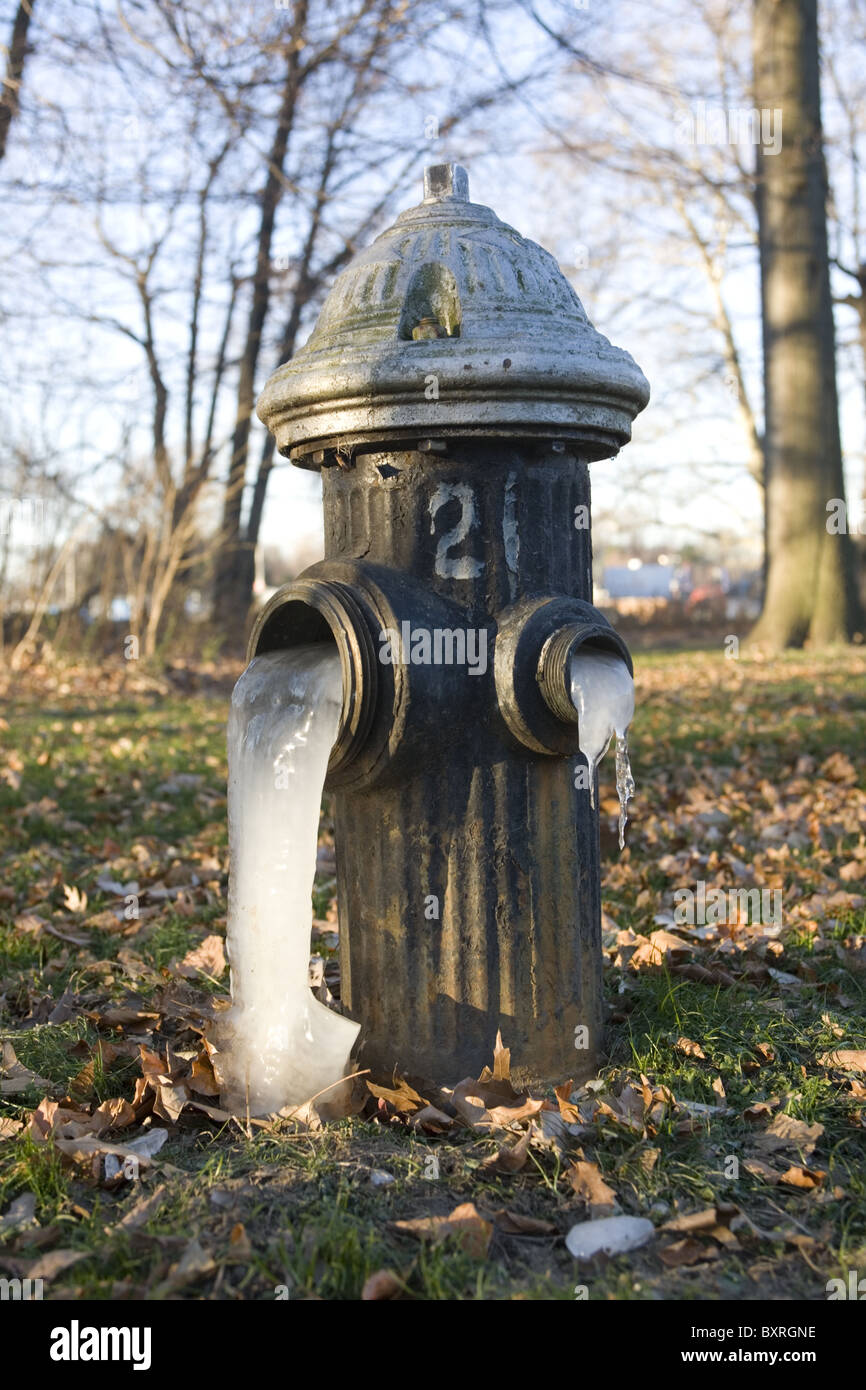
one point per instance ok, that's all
(89, 790)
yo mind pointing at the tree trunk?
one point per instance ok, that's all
(15, 55)
(234, 576)
(810, 594)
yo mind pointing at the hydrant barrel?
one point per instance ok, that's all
(453, 393)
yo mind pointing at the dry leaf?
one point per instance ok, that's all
(202, 1079)
(21, 1213)
(169, 1100)
(74, 899)
(501, 1059)
(207, 959)
(787, 1133)
(759, 1169)
(431, 1120)
(510, 1158)
(152, 1065)
(567, 1109)
(491, 1104)
(114, 1114)
(403, 1097)
(15, 1076)
(846, 1059)
(213, 1112)
(686, 1252)
(758, 1110)
(30, 923)
(101, 1056)
(50, 1119)
(469, 1229)
(514, 1223)
(382, 1285)
(659, 947)
(693, 1221)
(627, 1109)
(49, 1266)
(587, 1182)
(839, 768)
(807, 1178)
(690, 1049)
(143, 1209)
(240, 1249)
(194, 1264)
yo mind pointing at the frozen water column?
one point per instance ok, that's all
(453, 394)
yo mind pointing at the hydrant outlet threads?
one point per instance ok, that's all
(534, 642)
(554, 663)
(322, 610)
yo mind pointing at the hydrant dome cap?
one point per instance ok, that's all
(451, 322)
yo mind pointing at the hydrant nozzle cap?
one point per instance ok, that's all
(446, 181)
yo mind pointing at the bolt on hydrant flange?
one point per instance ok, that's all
(453, 393)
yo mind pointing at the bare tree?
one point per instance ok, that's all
(337, 62)
(811, 595)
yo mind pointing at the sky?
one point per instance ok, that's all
(556, 168)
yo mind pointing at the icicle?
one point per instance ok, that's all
(278, 1045)
(602, 692)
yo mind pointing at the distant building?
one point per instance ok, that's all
(641, 581)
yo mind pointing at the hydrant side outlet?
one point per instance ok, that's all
(457, 581)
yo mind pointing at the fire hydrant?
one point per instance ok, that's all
(453, 393)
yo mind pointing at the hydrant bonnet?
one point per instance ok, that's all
(452, 322)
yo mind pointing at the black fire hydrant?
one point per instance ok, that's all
(453, 393)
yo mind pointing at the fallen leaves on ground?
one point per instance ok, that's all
(14, 1076)
(384, 1284)
(55, 1263)
(468, 1228)
(510, 1158)
(746, 807)
(207, 959)
(686, 1252)
(845, 1059)
(588, 1184)
(786, 1132)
